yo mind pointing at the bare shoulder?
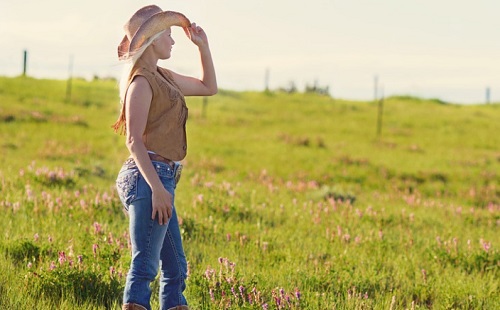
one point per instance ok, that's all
(139, 89)
(140, 83)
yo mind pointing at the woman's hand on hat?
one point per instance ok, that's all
(196, 34)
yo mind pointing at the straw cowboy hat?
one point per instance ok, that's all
(144, 24)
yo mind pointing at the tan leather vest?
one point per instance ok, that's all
(165, 132)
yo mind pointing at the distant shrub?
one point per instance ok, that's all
(8, 118)
(23, 251)
(302, 140)
(316, 89)
(290, 89)
(337, 194)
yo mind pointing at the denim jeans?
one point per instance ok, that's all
(154, 246)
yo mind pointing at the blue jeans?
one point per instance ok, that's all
(153, 245)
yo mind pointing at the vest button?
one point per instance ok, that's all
(184, 147)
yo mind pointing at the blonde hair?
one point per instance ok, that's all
(120, 126)
(129, 65)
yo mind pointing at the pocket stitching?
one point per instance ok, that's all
(127, 187)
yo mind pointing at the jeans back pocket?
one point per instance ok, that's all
(126, 185)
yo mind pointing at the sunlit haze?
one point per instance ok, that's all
(446, 49)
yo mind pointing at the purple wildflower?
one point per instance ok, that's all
(297, 293)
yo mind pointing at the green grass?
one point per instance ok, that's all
(280, 193)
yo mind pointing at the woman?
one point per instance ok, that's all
(153, 117)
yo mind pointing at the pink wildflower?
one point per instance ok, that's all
(209, 273)
(438, 239)
(95, 247)
(97, 228)
(62, 258)
(29, 192)
(486, 245)
(424, 275)
(211, 291)
(234, 292)
(265, 245)
(359, 213)
(242, 291)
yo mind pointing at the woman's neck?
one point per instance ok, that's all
(148, 60)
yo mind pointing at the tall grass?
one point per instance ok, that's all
(286, 201)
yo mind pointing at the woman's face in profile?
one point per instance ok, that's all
(164, 43)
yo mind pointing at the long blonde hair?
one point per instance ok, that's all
(120, 126)
(129, 65)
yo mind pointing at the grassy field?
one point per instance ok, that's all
(287, 201)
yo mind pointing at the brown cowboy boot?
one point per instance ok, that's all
(131, 306)
(179, 308)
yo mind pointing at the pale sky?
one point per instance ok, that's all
(447, 49)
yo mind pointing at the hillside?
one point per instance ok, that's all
(298, 190)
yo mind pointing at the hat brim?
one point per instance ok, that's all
(155, 24)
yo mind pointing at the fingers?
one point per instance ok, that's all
(196, 29)
(162, 206)
(164, 215)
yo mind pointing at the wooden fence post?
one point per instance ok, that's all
(25, 61)
(70, 79)
(266, 80)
